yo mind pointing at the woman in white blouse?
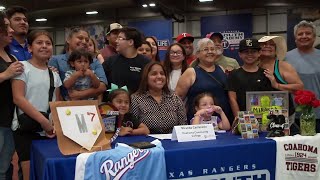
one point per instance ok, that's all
(175, 64)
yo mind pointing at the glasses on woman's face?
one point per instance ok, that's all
(207, 50)
(176, 53)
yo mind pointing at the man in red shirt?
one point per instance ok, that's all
(112, 34)
(186, 40)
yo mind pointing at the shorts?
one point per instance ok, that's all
(23, 142)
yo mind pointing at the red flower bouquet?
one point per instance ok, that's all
(306, 100)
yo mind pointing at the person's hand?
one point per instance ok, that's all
(15, 68)
(125, 131)
(47, 127)
(51, 134)
(271, 77)
(87, 72)
(74, 95)
(79, 73)
(204, 112)
(217, 109)
(53, 69)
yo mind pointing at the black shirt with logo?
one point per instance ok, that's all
(241, 81)
(124, 71)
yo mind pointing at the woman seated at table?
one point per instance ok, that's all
(154, 104)
(31, 95)
(205, 77)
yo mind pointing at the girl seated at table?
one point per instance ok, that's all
(205, 108)
(130, 125)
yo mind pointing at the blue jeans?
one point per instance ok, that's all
(6, 150)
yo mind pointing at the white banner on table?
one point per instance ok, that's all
(298, 157)
(198, 132)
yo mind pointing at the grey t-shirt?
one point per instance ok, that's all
(308, 68)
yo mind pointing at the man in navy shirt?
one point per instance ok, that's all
(19, 23)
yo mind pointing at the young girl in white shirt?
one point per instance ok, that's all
(205, 108)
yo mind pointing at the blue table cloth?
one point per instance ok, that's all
(226, 157)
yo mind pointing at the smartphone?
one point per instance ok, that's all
(142, 145)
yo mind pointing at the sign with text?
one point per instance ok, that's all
(233, 28)
(78, 126)
(193, 133)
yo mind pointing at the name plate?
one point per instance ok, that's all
(198, 132)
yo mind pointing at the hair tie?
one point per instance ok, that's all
(115, 87)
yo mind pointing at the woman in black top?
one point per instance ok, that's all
(9, 68)
(282, 75)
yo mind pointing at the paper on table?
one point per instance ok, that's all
(161, 136)
(220, 131)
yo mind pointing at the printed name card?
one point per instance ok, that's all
(198, 132)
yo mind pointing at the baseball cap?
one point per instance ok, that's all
(113, 26)
(281, 45)
(183, 36)
(210, 35)
(249, 43)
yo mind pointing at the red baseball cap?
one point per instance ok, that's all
(183, 36)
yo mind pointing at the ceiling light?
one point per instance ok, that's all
(92, 12)
(144, 5)
(205, 0)
(152, 4)
(277, 4)
(2, 8)
(41, 20)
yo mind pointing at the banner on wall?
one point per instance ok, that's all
(234, 28)
(297, 15)
(161, 29)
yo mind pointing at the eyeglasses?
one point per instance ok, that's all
(206, 50)
(177, 53)
(121, 38)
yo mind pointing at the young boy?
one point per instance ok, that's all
(81, 77)
(248, 77)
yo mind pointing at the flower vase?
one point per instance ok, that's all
(308, 123)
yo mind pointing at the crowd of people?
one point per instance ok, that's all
(190, 86)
